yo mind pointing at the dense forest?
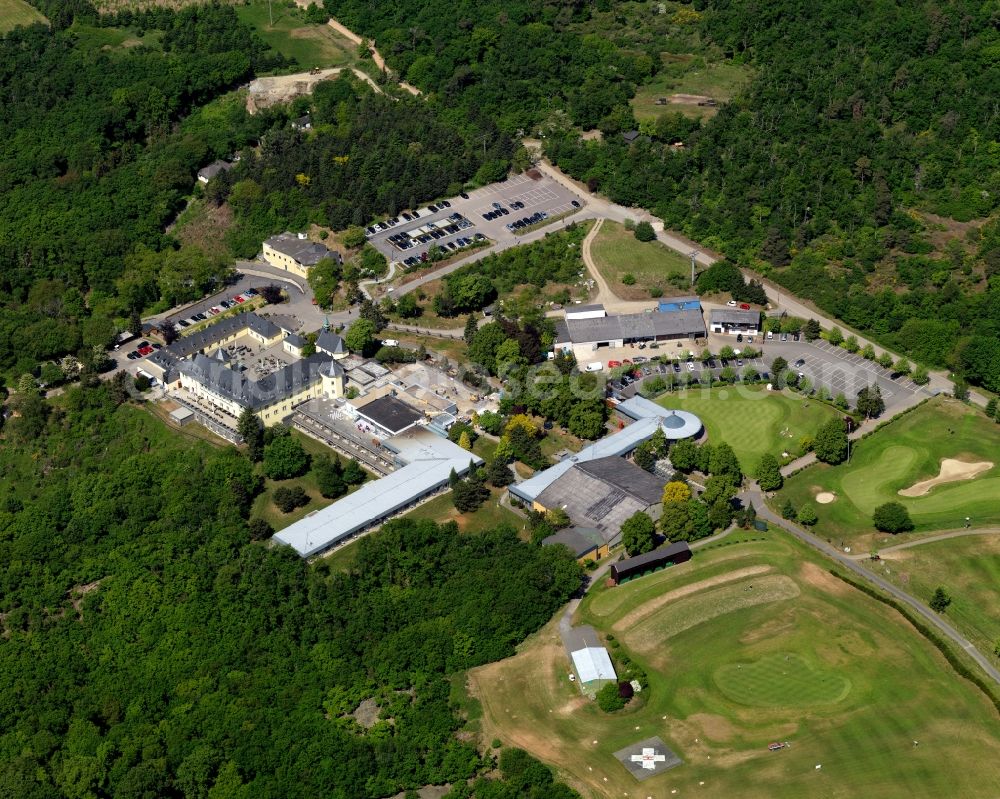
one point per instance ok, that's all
(152, 649)
(859, 116)
(366, 155)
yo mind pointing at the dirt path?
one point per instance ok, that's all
(354, 38)
(930, 540)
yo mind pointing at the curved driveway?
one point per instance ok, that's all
(753, 495)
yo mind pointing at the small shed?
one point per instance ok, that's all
(593, 667)
(182, 416)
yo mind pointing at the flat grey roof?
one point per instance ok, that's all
(631, 326)
(626, 476)
(431, 459)
(577, 308)
(580, 540)
(734, 316)
(390, 413)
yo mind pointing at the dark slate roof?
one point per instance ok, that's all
(266, 391)
(167, 362)
(390, 413)
(625, 475)
(631, 326)
(733, 316)
(331, 343)
(656, 556)
(580, 540)
(631, 136)
(296, 340)
(303, 251)
(214, 169)
(196, 342)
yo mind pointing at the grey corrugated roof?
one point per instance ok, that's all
(578, 308)
(196, 342)
(731, 316)
(626, 476)
(631, 326)
(580, 540)
(303, 251)
(260, 393)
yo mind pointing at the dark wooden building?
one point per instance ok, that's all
(629, 568)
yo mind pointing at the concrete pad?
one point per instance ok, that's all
(647, 758)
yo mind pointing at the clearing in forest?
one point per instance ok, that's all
(617, 252)
(17, 12)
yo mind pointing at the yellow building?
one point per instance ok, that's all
(296, 253)
(272, 397)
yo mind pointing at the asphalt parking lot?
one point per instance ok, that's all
(823, 364)
(538, 195)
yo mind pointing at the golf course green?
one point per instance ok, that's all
(753, 420)
(904, 452)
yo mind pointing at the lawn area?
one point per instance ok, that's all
(969, 570)
(781, 651)
(309, 44)
(110, 39)
(17, 12)
(616, 252)
(490, 514)
(906, 451)
(685, 74)
(753, 420)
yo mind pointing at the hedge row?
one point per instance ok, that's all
(942, 645)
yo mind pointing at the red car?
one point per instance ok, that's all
(613, 364)
(144, 351)
(240, 298)
(626, 360)
(744, 306)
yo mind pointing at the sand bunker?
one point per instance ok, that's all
(825, 497)
(951, 471)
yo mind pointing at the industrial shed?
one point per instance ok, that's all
(602, 494)
(630, 568)
(593, 667)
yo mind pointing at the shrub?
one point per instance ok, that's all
(608, 698)
(644, 232)
(628, 279)
(288, 499)
(892, 517)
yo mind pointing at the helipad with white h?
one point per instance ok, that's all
(647, 758)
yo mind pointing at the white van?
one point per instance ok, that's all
(594, 366)
(390, 342)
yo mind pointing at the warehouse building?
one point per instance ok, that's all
(589, 333)
(602, 494)
(427, 463)
(733, 321)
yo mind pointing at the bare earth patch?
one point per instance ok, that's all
(951, 471)
(640, 613)
(822, 579)
(825, 497)
(366, 714)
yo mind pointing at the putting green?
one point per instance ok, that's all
(780, 680)
(753, 420)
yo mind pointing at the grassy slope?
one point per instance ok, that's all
(310, 45)
(908, 450)
(616, 251)
(752, 420)
(17, 12)
(860, 726)
(969, 570)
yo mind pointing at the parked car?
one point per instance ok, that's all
(183, 323)
(744, 306)
(613, 364)
(432, 208)
(134, 355)
(497, 206)
(463, 195)
(690, 366)
(731, 303)
(770, 335)
(445, 204)
(784, 337)
(575, 203)
(800, 362)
